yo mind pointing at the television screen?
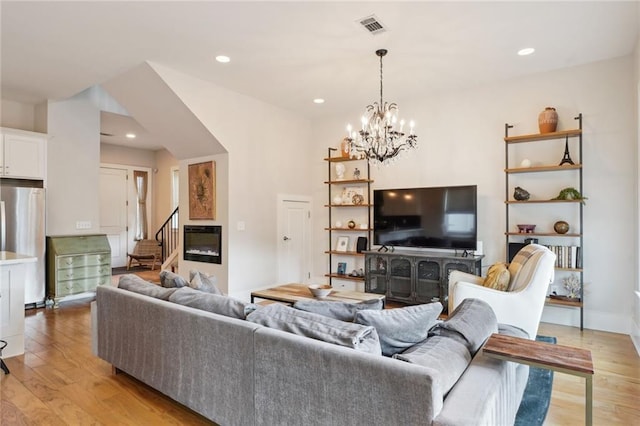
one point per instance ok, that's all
(438, 217)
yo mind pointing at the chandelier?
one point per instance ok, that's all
(382, 136)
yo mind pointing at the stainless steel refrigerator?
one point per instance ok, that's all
(22, 230)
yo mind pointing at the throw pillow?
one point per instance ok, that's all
(170, 280)
(343, 311)
(209, 302)
(474, 320)
(497, 277)
(400, 328)
(203, 282)
(447, 357)
(315, 326)
(136, 284)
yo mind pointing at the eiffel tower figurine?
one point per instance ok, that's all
(566, 159)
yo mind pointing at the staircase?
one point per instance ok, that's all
(168, 237)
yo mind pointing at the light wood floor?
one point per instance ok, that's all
(58, 381)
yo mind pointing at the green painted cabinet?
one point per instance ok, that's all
(76, 264)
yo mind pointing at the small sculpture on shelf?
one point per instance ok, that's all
(526, 163)
(356, 174)
(566, 159)
(351, 224)
(521, 194)
(572, 285)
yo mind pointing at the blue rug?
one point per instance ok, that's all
(537, 394)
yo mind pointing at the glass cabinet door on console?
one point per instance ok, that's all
(376, 275)
(400, 278)
(415, 276)
(428, 281)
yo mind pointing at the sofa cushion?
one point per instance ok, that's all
(136, 284)
(448, 357)
(497, 277)
(474, 320)
(169, 279)
(223, 305)
(203, 282)
(343, 311)
(400, 328)
(315, 326)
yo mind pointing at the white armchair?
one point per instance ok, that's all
(532, 269)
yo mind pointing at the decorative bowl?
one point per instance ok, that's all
(320, 291)
(561, 227)
(526, 229)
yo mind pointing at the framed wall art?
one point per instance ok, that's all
(202, 191)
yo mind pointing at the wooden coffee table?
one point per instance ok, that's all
(291, 293)
(564, 359)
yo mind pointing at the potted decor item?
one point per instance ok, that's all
(548, 120)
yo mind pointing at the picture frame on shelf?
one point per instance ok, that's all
(342, 268)
(342, 243)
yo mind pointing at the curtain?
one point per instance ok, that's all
(140, 180)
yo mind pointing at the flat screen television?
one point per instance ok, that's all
(437, 217)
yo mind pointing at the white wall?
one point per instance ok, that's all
(116, 154)
(221, 271)
(17, 115)
(268, 154)
(163, 182)
(461, 142)
(635, 334)
(73, 165)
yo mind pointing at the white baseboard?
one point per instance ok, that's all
(593, 320)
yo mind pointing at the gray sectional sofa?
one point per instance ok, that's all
(238, 372)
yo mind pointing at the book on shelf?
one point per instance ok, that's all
(569, 257)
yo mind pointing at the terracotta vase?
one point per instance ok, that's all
(548, 120)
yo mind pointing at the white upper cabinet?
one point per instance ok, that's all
(23, 154)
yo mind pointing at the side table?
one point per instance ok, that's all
(564, 359)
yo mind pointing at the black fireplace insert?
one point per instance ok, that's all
(203, 243)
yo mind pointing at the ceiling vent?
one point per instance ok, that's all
(372, 24)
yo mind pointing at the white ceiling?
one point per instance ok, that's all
(288, 53)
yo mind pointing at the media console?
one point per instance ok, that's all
(415, 276)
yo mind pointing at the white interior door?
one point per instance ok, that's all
(294, 240)
(113, 212)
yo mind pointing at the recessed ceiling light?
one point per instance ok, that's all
(130, 135)
(526, 51)
(318, 101)
(223, 59)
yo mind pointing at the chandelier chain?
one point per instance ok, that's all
(381, 80)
